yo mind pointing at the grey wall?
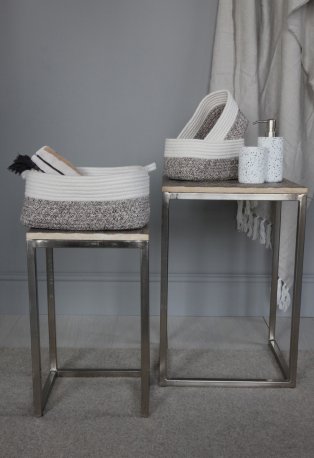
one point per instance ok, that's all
(104, 83)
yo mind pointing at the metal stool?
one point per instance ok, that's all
(54, 239)
(276, 193)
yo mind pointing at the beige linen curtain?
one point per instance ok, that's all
(264, 54)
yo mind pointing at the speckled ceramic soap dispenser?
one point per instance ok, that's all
(274, 157)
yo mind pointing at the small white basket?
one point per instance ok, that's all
(208, 146)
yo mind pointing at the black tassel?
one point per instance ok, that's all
(22, 163)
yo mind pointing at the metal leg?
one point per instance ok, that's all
(164, 289)
(297, 289)
(276, 206)
(34, 328)
(275, 266)
(51, 310)
(145, 349)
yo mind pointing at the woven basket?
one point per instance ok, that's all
(208, 147)
(114, 198)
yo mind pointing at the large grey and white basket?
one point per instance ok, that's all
(208, 147)
(114, 198)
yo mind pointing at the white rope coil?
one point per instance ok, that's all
(224, 123)
(96, 184)
(203, 149)
(214, 145)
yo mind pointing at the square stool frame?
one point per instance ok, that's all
(234, 191)
(53, 239)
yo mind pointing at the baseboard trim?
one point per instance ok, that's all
(130, 277)
(111, 293)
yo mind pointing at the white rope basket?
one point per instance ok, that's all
(208, 147)
(114, 198)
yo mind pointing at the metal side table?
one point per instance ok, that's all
(232, 190)
(54, 239)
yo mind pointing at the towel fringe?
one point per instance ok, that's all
(247, 208)
(268, 235)
(254, 203)
(240, 216)
(283, 296)
(250, 225)
(256, 221)
(262, 232)
(258, 228)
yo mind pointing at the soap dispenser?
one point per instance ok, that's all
(274, 146)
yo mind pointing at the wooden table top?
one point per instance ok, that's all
(232, 186)
(43, 234)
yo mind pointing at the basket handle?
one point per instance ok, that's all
(150, 167)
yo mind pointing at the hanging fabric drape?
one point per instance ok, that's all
(264, 54)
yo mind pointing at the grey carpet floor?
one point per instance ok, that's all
(100, 417)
